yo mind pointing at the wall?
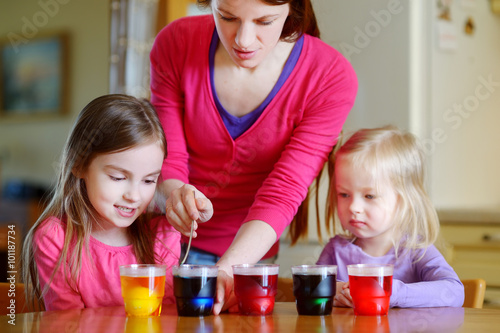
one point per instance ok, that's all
(465, 160)
(32, 148)
(379, 53)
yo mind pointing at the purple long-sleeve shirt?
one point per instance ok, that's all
(428, 282)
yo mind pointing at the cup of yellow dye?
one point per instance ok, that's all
(143, 287)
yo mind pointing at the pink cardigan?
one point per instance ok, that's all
(265, 173)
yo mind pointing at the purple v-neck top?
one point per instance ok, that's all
(238, 125)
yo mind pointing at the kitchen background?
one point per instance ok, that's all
(431, 67)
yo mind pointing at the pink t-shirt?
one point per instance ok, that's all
(264, 174)
(98, 283)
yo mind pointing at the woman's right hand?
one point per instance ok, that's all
(186, 204)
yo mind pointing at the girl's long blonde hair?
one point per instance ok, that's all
(108, 124)
(397, 156)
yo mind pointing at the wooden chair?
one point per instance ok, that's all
(15, 292)
(8, 293)
(285, 290)
(10, 247)
(474, 293)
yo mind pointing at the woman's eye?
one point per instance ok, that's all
(227, 19)
(150, 181)
(116, 178)
(370, 196)
(265, 22)
(343, 195)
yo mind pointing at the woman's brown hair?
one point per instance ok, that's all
(299, 226)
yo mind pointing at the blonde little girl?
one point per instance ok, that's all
(387, 217)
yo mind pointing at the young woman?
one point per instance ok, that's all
(253, 101)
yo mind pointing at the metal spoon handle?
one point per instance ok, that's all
(190, 238)
(189, 244)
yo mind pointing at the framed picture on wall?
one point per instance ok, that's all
(34, 76)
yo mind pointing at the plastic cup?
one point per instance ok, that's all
(255, 286)
(194, 289)
(314, 287)
(143, 287)
(371, 288)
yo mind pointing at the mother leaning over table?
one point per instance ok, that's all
(253, 102)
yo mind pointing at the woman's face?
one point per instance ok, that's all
(249, 30)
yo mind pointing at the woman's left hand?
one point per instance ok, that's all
(225, 299)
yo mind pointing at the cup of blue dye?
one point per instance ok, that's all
(194, 289)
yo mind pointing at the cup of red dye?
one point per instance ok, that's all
(370, 286)
(255, 286)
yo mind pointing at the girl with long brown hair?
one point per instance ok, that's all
(99, 216)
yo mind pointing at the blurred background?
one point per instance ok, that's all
(427, 66)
